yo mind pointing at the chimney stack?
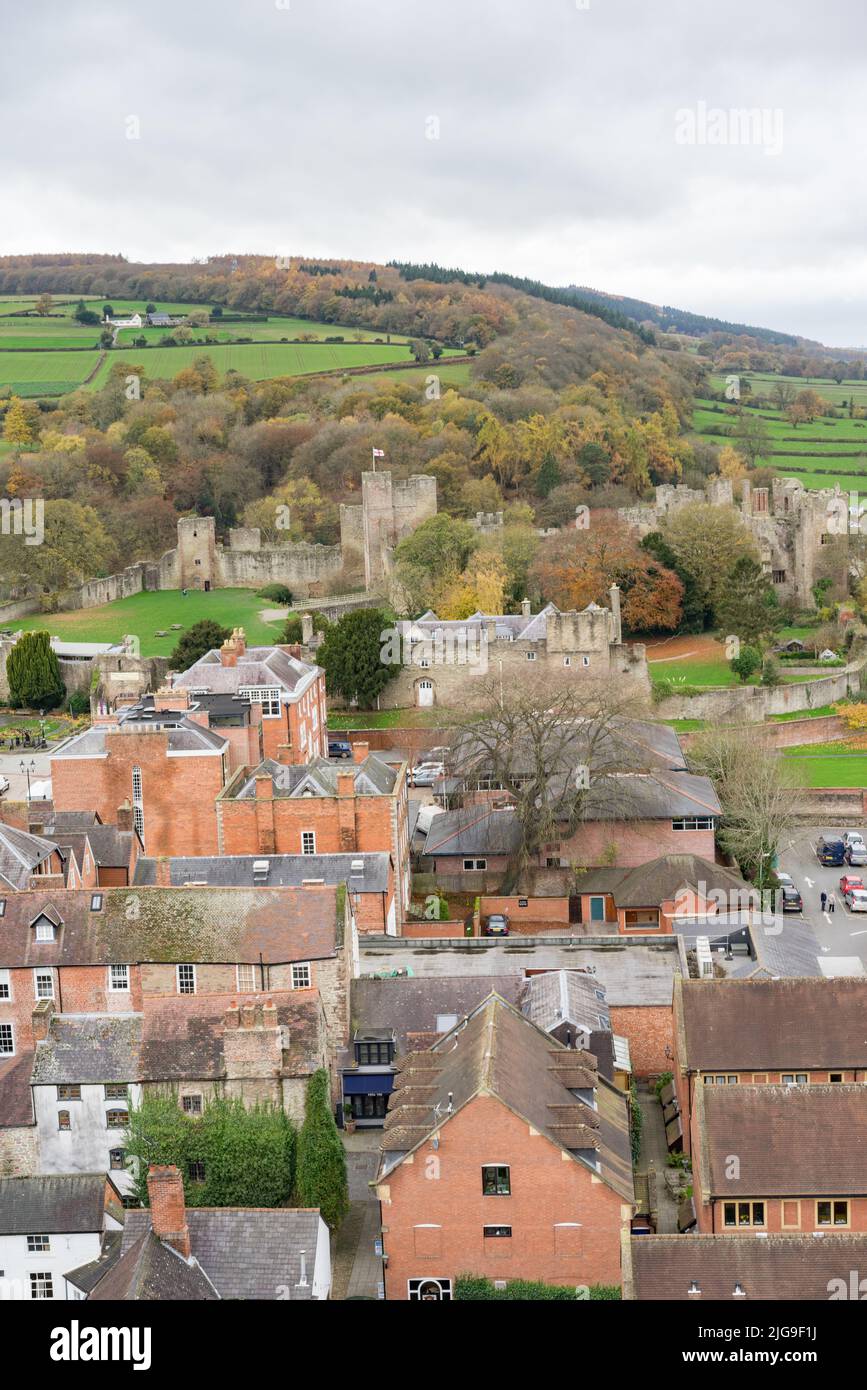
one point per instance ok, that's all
(360, 751)
(306, 628)
(168, 1210)
(163, 872)
(124, 816)
(233, 1015)
(525, 608)
(41, 1019)
(614, 594)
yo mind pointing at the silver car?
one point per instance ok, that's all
(856, 900)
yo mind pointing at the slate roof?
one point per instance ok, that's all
(147, 1269)
(184, 736)
(20, 853)
(62, 1203)
(245, 1253)
(111, 848)
(565, 996)
(259, 666)
(88, 1049)
(62, 822)
(473, 830)
(284, 870)
(86, 1277)
(173, 925)
(373, 777)
(498, 1052)
(411, 1006)
(793, 950)
(773, 1267)
(798, 1141)
(771, 1025)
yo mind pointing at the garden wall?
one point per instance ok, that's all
(751, 704)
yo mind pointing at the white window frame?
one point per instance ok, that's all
(39, 1244)
(414, 1286)
(475, 865)
(7, 1031)
(304, 978)
(137, 803)
(268, 696)
(114, 988)
(585, 661)
(44, 930)
(192, 1109)
(305, 836)
(41, 1284)
(246, 989)
(5, 986)
(186, 966)
(531, 656)
(45, 972)
(692, 823)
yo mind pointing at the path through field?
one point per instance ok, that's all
(695, 648)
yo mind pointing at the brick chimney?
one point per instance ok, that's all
(346, 812)
(164, 872)
(360, 751)
(168, 1211)
(254, 1050)
(41, 1019)
(233, 648)
(124, 816)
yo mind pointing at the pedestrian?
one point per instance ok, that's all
(823, 898)
(832, 902)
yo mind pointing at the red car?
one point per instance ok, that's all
(849, 881)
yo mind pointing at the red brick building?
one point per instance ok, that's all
(170, 767)
(800, 1031)
(506, 1155)
(287, 695)
(321, 808)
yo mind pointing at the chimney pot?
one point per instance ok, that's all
(233, 1015)
(360, 751)
(248, 1014)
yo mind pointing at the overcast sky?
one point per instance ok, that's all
(535, 136)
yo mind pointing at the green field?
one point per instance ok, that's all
(45, 373)
(820, 454)
(827, 765)
(144, 615)
(272, 331)
(709, 674)
(258, 362)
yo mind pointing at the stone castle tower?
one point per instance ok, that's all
(388, 512)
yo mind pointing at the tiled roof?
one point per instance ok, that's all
(373, 777)
(244, 1252)
(20, 853)
(565, 996)
(798, 1141)
(147, 1270)
(89, 1049)
(63, 1203)
(473, 830)
(796, 1024)
(184, 736)
(284, 870)
(182, 1036)
(498, 1052)
(16, 1103)
(775, 1267)
(220, 925)
(86, 1277)
(661, 880)
(412, 1006)
(259, 666)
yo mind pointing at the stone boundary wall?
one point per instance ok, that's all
(751, 704)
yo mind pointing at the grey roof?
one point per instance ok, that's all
(565, 996)
(284, 870)
(184, 736)
(259, 666)
(413, 1006)
(86, 1277)
(20, 853)
(69, 822)
(63, 1203)
(148, 1270)
(775, 1267)
(372, 777)
(473, 830)
(782, 948)
(111, 848)
(661, 880)
(88, 1049)
(244, 1252)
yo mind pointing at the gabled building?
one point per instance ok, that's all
(51, 1225)
(26, 860)
(652, 897)
(788, 1159)
(504, 1155)
(774, 1032)
(741, 1269)
(288, 695)
(169, 1252)
(571, 1006)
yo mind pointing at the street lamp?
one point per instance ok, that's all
(27, 771)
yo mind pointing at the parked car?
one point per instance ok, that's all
(856, 899)
(830, 852)
(427, 773)
(852, 837)
(850, 881)
(783, 878)
(339, 748)
(792, 900)
(496, 925)
(4, 784)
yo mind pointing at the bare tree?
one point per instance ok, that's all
(757, 793)
(560, 754)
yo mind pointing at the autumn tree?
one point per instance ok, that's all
(708, 540)
(16, 425)
(748, 608)
(757, 794)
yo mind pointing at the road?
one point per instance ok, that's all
(843, 932)
(10, 766)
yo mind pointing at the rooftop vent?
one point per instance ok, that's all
(261, 868)
(705, 959)
(356, 868)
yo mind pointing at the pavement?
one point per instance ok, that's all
(653, 1159)
(10, 766)
(841, 933)
(356, 1268)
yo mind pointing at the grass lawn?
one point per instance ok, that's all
(819, 454)
(457, 375)
(272, 330)
(388, 719)
(828, 765)
(709, 673)
(45, 373)
(143, 615)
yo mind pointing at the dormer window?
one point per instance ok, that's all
(44, 929)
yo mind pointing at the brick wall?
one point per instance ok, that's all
(19, 1152)
(433, 1209)
(650, 1030)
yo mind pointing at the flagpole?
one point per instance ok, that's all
(373, 455)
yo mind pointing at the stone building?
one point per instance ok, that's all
(452, 662)
(388, 512)
(801, 536)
